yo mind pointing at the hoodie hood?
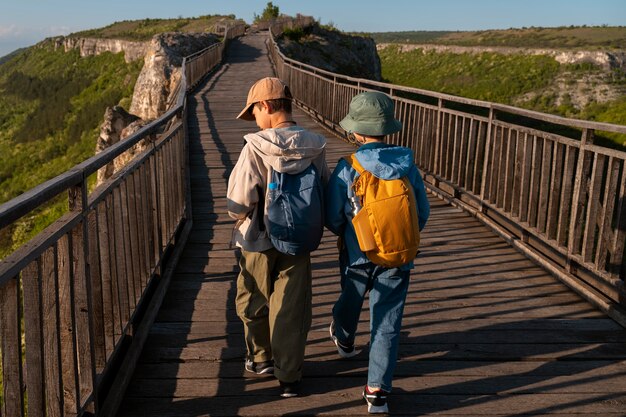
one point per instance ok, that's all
(289, 150)
(389, 162)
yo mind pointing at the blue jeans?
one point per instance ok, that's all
(388, 288)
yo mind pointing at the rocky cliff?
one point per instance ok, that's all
(154, 89)
(91, 46)
(606, 60)
(118, 125)
(162, 70)
(332, 50)
(163, 57)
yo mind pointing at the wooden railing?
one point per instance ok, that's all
(556, 197)
(77, 300)
(197, 63)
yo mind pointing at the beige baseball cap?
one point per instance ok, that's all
(269, 88)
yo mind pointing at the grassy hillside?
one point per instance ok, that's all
(589, 38)
(143, 30)
(415, 36)
(51, 107)
(487, 76)
(528, 81)
(11, 55)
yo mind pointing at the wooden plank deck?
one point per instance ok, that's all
(486, 332)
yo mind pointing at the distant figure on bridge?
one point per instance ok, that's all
(274, 284)
(368, 260)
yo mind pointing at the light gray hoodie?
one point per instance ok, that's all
(289, 150)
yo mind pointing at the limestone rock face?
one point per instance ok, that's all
(116, 119)
(607, 60)
(92, 46)
(603, 59)
(141, 146)
(162, 70)
(333, 51)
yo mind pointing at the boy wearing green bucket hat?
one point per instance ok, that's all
(369, 120)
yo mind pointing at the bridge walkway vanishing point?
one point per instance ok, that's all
(485, 331)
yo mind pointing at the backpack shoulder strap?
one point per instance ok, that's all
(354, 163)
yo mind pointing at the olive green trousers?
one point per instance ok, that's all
(274, 303)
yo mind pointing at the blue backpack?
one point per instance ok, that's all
(295, 208)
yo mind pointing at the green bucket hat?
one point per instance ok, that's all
(371, 114)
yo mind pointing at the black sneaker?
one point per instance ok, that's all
(344, 350)
(289, 389)
(376, 401)
(260, 368)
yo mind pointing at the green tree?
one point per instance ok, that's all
(270, 12)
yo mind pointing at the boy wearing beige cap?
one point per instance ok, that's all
(273, 288)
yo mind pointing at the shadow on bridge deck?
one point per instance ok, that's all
(486, 332)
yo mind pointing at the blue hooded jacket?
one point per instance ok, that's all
(384, 161)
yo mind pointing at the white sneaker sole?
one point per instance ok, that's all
(377, 409)
(340, 351)
(265, 371)
(374, 409)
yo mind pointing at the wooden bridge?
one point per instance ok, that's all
(516, 304)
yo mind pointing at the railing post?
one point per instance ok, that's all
(483, 181)
(10, 344)
(157, 199)
(81, 288)
(186, 173)
(578, 197)
(333, 109)
(437, 136)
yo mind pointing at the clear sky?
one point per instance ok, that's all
(26, 22)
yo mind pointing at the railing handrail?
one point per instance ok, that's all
(203, 51)
(40, 194)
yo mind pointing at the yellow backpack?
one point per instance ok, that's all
(386, 226)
